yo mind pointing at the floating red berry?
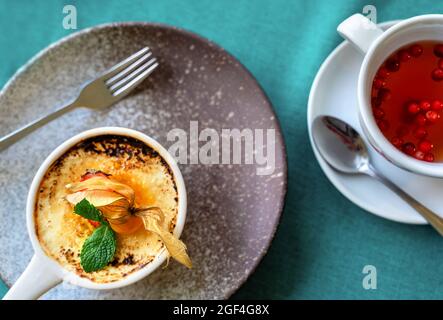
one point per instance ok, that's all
(425, 146)
(392, 64)
(420, 119)
(383, 73)
(437, 105)
(413, 107)
(376, 102)
(425, 105)
(404, 55)
(420, 132)
(440, 63)
(384, 94)
(419, 155)
(437, 74)
(409, 148)
(383, 124)
(379, 83)
(416, 50)
(438, 50)
(429, 157)
(378, 113)
(397, 142)
(432, 116)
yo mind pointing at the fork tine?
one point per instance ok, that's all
(125, 63)
(127, 70)
(132, 75)
(135, 82)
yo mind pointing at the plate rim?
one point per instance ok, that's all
(123, 24)
(327, 170)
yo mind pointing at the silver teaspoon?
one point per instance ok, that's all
(343, 148)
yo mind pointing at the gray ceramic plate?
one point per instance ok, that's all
(232, 213)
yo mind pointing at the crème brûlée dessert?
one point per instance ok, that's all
(107, 207)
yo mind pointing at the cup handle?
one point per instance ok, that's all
(38, 278)
(360, 31)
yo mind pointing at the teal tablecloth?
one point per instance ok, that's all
(324, 241)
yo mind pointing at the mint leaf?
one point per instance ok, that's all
(99, 249)
(87, 210)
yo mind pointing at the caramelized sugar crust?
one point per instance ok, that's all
(62, 233)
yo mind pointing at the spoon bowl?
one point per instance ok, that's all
(340, 145)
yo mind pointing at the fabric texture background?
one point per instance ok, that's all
(323, 241)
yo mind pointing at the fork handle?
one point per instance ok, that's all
(16, 135)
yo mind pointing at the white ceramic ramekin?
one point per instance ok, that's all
(43, 272)
(376, 46)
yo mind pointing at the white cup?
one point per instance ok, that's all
(43, 273)
(376, 45)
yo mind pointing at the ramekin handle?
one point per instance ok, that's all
(37, 278)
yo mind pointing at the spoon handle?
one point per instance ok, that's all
(434, 220)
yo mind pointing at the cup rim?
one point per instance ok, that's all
(54, 266)
(372, 132)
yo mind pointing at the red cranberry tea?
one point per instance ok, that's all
(407, 100)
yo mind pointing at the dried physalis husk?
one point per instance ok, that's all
(115, 200)
(102, 182)
(114, 206)
(153, 219)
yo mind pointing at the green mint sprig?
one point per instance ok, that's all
(99, 249)
(87, 210)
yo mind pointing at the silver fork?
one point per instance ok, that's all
(102, 92)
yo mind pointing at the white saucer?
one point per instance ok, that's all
(334, 92)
